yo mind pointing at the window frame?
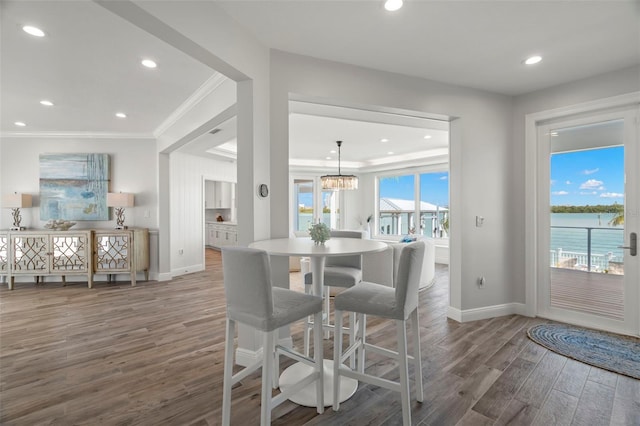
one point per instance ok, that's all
(416, 172)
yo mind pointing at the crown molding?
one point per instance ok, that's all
(203, 91)
(77, 135)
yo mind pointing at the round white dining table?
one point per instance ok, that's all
(317, 253)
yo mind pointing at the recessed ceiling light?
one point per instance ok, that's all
(554, 133)
(390, 153)
(20, 124)
(149, 63)
(327, 158)
(532, 60)
(34, 31)
(427, 136)
(392, 5)
(46, 102)
(384, 140)
(121, 115)
(333, 151)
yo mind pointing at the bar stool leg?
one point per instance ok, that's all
(417, 355)
(362, 329)
(337, 354)
(228, 370)
(318, 358)
(404, 372)
(267, 371)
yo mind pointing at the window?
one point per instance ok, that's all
(303, 197)
(398, 209)
(306, 198)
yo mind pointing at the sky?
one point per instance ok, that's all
(589, 177)
(434, 187)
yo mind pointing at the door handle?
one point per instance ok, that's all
(633, 244)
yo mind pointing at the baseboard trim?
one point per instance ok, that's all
(187, 270)
(486, 312)
(164, 276)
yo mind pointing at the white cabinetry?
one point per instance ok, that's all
(223, 235)
(223, 195)
(209, 194)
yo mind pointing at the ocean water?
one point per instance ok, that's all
(605, 238)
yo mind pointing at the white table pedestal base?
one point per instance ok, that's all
(307, 396)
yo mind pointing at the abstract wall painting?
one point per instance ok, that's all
(74, 186)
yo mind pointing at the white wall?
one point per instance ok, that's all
(595, 88)
(133, 169)
(187, 207)
(480, 162)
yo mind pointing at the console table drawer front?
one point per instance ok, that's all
(112, 252)
(4, 254)
(70, 253)
(29, 254)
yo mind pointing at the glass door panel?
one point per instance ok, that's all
(586, 277)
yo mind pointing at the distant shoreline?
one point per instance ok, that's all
(612, 208)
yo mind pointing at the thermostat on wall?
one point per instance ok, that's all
(263, 190)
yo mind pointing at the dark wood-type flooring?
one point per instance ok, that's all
(153, 355)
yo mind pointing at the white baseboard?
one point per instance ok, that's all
(247, 357)
(165, 276)
(486, 312)
(187, 270)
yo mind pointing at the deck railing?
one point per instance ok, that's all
(588, 261)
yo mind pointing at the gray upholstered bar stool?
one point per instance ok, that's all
(252, 300)
(398, 304)
(339, 271)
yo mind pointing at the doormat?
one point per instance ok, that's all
(609, 351)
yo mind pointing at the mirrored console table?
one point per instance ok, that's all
(42, 253)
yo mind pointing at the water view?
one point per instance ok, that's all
(570, 239)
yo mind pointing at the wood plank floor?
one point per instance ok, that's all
(153, 355)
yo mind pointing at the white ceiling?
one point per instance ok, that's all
(89, 63)
(477, 43)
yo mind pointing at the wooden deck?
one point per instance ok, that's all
(153, 355)
(593, 293)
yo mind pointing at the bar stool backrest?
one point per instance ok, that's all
(247, 285)
(408, 276)
(347, 261)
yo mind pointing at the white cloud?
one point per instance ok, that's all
(588, 192)
(560, 193)
(553, 182)
(611, 195)
(590, 172)
(568, 182)
(443, 178)
(592, 184)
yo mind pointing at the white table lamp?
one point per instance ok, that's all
(120, 200)
(15, 202)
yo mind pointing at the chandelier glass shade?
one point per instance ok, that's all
(339, 181)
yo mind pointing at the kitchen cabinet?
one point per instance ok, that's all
(47, 253)
(210, 235)
(224, 235)
(223, 195)
(209, 194)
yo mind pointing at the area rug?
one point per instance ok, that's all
(613, 352)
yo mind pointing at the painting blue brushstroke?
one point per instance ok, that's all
(74, 186)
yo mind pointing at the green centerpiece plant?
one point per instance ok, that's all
(319, 233)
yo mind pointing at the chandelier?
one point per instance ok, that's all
(339, 181)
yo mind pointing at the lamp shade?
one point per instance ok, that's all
(119, 199)
(16, 200)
